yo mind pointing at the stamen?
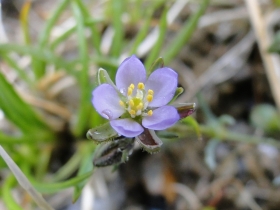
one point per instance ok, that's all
(150, 112)
(131, 102)
(131, 86)
(140, 106)
(150, 92)
(132, 112)
(149, 98)
(129, 91)
(141, 86)
(122, 103)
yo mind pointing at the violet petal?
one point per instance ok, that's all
(106, 102)
(163, 82)
(127, 127)
(131, 71)
(162, 118)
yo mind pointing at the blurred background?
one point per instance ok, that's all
(225, 156)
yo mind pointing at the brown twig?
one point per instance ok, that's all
(259, 25)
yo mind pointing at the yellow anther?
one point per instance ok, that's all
(140, 106)
(131, 86)
(149, 98)
(129, 91)
(150, 112)
(131, 102)
(150, 92)
(132, 112)
(122, 103)
(141, 86)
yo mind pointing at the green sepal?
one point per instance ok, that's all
(102, 133)
(103, 77)
(178, 92)
(158, 63)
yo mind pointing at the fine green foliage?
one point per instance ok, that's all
(17, 111)
(34, 138)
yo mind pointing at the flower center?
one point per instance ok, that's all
(137, 101)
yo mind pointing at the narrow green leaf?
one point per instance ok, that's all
(42, 163)
(40, 54)
(17, 111)
(23, 181)
(45, 34)
(27, 139)
(160, 41)
(185, 34)
(69, 168)
(117, 8)
(7, 194)
(86, 166)
(85, 106)
(39, 65)
(142, 33)
(24, 21)
(50, 188)
(194, 124)
(96, 36)
(62, 37)
(15, 66)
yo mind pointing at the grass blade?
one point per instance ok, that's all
(117, 8)
(17, 111)
(7, 195)
(24, 182)
(39, 66)
(96, 36)
(154, 54)
(56, 187)
(24, 21)
(185, 34)
(85, 106)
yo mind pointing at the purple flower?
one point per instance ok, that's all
(136, 104)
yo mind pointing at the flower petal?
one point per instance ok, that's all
(149, 141)
(131, 71)
(163, 82)
(162, 118)
(127, 127)
(106, 102)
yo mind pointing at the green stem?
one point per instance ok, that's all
(225, 135)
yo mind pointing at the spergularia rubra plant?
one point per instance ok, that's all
(137, 104)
